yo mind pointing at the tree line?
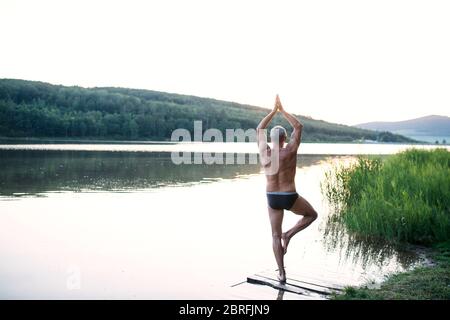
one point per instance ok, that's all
(37, 109)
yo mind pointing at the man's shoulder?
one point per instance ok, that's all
(290, 151)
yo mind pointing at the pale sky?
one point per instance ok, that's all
(340, 61)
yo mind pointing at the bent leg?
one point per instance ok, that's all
(276, 220)
(304, 208)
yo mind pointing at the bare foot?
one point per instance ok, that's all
(285, 241)
(282, 277)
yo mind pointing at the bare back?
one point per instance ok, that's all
(284, 178)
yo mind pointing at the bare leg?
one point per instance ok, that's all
(276, 219)
(304, 208)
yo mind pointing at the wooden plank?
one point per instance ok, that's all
(326, 283)
(307, 283)
(237, 284)
(315, 286)
(256, 279)
(325, 280)
(303, 285)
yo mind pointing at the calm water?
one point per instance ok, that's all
(78, 222)
(305, 148)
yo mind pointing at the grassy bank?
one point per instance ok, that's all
(403, 198)
(423, 283)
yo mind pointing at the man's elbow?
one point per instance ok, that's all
(298, 126)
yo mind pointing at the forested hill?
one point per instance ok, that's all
(37, 109)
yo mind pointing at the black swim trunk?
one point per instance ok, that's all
(281, 200)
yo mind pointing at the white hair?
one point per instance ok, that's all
(277, 133)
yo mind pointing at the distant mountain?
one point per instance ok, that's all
(430, 128)
(38, 109)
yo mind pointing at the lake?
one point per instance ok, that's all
(122, 221)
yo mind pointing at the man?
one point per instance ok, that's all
(280, 163)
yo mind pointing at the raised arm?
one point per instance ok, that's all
(293, 121)
(261, 137)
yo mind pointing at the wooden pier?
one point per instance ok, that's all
(300, 287)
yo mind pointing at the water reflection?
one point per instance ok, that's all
(34, 172)
(280, 294)
(363, 250)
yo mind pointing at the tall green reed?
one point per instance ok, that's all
(402, 198)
